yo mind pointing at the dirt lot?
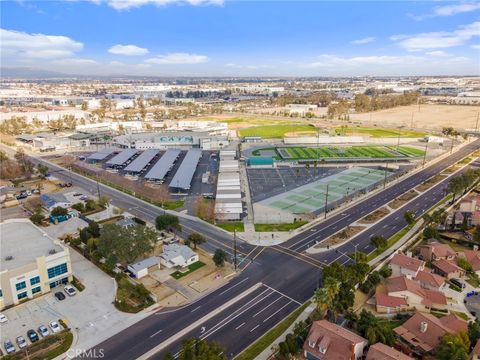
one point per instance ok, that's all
(429, 183)
(374, 216)
(428, 117)
(395, 204)
(341, 236)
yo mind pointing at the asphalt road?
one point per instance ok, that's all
(287, 275)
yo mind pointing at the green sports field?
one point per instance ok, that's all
(347, 152)
(275, 131)
(379, 132)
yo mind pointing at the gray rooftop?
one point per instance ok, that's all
(183, 176)
(160, 169)
(25, 242)
(145, 263)
(102, 154)
(142, 160)
(173, 250)
(122, 158)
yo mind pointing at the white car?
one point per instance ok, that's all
(3, 318)
(70, 290)
(43, 330)
(21, 342)
(55, 327)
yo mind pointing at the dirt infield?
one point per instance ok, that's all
(424, 116)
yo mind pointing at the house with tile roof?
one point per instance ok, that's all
(423, 332)
(435, 250)
(448, 269)
(381, 351)
(327, 341)
(405, 265)
(473, 257)
(429, 280)
(475, 355)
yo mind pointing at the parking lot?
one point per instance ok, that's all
(265, 183)
(90, 313)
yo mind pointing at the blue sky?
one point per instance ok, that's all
(242, 38)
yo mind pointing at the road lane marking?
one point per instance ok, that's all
(158, 332)
(198, 307)
(230, 288)
(266, 307)
(254, 328)
(239, 326)
(276, 312)
(285, 295)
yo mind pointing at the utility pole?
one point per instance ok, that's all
(398, 139)
(425, 154)
(235, 247)
(385, 178)
(326, 202)
(476, 124)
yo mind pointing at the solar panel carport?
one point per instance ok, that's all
(142, 161)
(102, 154)
(183, 176)
(163, 166)
(122, 158)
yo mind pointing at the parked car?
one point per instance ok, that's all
(458, 282)
(70, 290)
(43, 330)
(32, 335)
(21, 196)
(36, 191)
(77, 194)
(21, 342)
(59, 295)
(3, 318)
(55, 327)
(9, 347)
(29, 193)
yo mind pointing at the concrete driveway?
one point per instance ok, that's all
(90, 314)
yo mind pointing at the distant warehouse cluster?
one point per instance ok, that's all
(228, 203)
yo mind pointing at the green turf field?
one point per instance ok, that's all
(332, 152)
(378, 132)
(275, 131)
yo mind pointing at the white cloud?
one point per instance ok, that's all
(439, 53)
(37, 46)
(178, 58)
(333, 60)
(449, 10)
(129, 4)
(477, 46)
(127, 50)
(75, 62)
(439, 39)
(363, 41)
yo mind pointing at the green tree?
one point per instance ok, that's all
(168, 222)
(37, 218)
(374, 330)
(379, 241)
(464, 264)
(103, 201)
(196, 239)
(42, 170)
(197, 349)
(453, 347)
(219, 257)
(79, 207)
(59, 211)
(430, 233)
(126, 244)
(474, 331)
(90, 205)
(324, 297)
(409, 217)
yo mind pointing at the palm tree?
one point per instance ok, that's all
(324, 297)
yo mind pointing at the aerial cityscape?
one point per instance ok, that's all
(249, 180)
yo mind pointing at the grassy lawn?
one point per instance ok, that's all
(275, 131)
(279, 227)
(462, 315)
(391, 241)
(239, 227)
(172, 205)
(266, 340)
(473, 280)
(47, 348)
(75, 282)
(191, 268)
(131, 298)
(379, 132)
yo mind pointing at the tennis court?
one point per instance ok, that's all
(311, 198)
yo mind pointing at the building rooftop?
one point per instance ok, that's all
(425, 277)
(162, 166)
(407, 262)
(142, 160)
(381, 351)
(402, 283)
(145, 263)
(122, 158)
(183, 176)
(172, 251)
(446, 266)
(24, 242)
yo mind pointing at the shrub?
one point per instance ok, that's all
(59, 211)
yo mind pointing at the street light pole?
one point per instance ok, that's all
(385, 178)
(326, 202)
(235, 247)
(425, 154)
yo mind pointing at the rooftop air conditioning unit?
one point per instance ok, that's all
(9, 257)
(52, 251)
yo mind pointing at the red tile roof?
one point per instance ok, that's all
(426, 277)
(339, 342)
(476, 349)
(402, 283)
(389, 301)
(473, 257)
(381, 351)
(407, 262)
(446, 266)
(441, 250)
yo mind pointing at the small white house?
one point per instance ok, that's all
(51, 201)
(141, 268)
(175, 255)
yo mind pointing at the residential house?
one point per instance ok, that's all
(473, 257)
(51, 201)
(447, 269)
(405, 265)
(140, 269)
(435, 250)
(126, 223)
(386, 304)
(423, 332)
(381, 351)
(175, 255)
(455, 219)
(329, 341)
(414, 295)
(475, 355)
(429, 280)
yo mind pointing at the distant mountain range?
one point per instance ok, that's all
(24, 72)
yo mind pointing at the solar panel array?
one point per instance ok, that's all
(183, 176)
(160, 169)
(122, 158)
(102, 154)
(142, 161)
